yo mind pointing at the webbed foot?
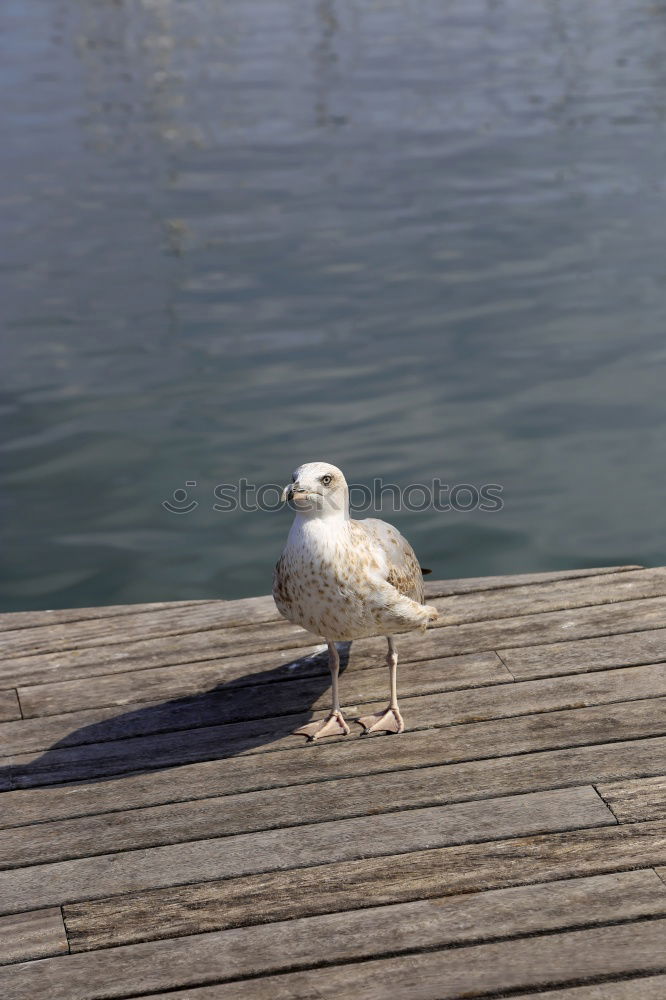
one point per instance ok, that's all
(389, 721)
(332, 725)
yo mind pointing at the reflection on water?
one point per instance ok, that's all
(412, 238)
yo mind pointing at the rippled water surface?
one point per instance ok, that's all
(418, 239)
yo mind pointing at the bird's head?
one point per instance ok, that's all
(318, 489)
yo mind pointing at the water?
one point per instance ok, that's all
(412, 238)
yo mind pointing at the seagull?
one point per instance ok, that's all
(345, 579)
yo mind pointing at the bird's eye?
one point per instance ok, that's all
(326, 480)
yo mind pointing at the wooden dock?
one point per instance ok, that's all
(162, 834)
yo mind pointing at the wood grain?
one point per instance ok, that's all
(256, 811)
(317, 843)
(439, 922)
(12, 620)
(413, 769)
(471, 584)
(348, 885)
(25, 936)
(557, 595)
(132, 871)
(353, 936)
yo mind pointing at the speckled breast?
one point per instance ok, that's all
(320, 599)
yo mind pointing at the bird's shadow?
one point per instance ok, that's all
(231, 718)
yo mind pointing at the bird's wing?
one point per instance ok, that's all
(402, 567)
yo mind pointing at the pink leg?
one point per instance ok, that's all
(334, 724)
(389, 721)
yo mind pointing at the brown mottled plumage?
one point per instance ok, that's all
(346, 579)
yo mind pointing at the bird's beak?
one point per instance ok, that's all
(287, 492)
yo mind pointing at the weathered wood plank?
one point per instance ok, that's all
(248, 668)
(446, 674)
(217, 643)
(436, 923)
(353, 936)
(602, 953)
(643, 988)
(244, 717)
(339, 887)
(183, 619)
(584, 655)
(9, 705)
(25, 936)
(473, 584)
(223, 816)
(371, 831)
(571, 728)
(558, 595)
(12, 620)
(300, 987)
(209, 958)
(318, 845)
(256, 608)
(629, 720)
(632, 801)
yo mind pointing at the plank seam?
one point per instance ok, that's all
(495, 995)
(603, 800)
(64, 927)
(504, 664)
(490, 682)
(553, 986)
(659, 876)
(258, 682)
(607, 803)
